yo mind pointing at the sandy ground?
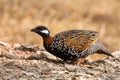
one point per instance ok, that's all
(29, 62)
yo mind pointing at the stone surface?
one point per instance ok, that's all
(37, 64)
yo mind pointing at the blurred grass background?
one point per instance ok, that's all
(17, 17)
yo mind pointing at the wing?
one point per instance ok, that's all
(78, 39)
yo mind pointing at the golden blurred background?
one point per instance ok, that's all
(17, 17)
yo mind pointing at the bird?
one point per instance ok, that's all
(72, 45)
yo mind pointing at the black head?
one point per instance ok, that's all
(41, 30)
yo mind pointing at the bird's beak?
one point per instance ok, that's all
(32, 30)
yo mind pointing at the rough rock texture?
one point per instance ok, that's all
(29, 62)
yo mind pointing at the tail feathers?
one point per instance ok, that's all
(103, 49)
(109, 54)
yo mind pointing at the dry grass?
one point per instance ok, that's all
(17, 17)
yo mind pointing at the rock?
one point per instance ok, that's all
(48, 55)
(5, 44)
(36, 56)
(28, 73)
(116, 54)
(93, 72)
(72, 78)
(16, 46)
(117, 78)
(10, 56)
(26, 47)
(46, 67)
(70, 68)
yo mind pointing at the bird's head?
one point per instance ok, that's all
(41, 30)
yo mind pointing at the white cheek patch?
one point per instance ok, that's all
(44, 31)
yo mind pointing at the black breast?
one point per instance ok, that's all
(60, 49)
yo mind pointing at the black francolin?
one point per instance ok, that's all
(72, 45)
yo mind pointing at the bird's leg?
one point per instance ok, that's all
(80, 60)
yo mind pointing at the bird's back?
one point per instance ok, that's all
(79, 39)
